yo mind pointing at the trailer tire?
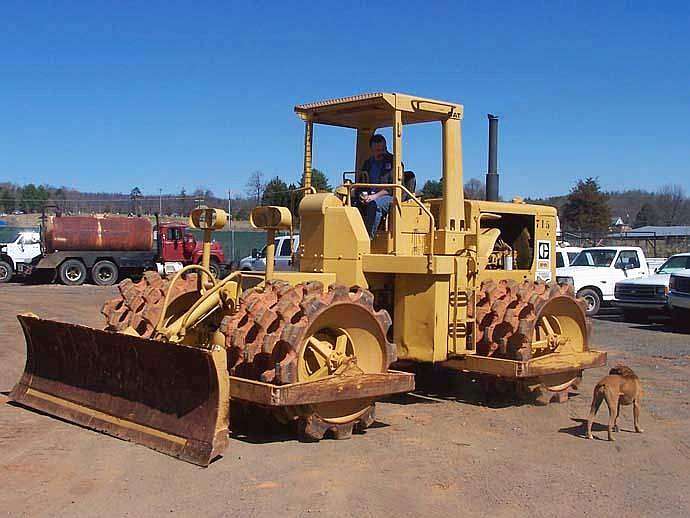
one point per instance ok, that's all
(6, 272)
(104, 273)
(72, 272)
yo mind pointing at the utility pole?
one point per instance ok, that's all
(232, 228)
(229, 208)
(160, 201)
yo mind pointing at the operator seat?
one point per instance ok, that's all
(410, 183)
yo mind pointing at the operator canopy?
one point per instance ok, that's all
(375, 110)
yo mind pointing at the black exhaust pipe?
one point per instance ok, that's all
(492, 172)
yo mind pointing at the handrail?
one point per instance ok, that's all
(432, 220)
(300, 189)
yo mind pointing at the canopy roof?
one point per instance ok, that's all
(375, 110)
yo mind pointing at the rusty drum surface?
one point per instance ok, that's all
(98, 233)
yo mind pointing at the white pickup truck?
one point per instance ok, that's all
(283, 258)
(566, 255)
(641, 298)
(679, 300)
(595, 272)
(18, 254)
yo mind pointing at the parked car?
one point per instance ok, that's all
(679, 299)
(283, 258)
(648, 296)
(595, 271)
(565, 255)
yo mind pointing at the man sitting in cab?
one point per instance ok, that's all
(379, 168)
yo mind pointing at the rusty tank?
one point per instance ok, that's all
(97, 233)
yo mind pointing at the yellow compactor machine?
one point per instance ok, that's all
(467, 284)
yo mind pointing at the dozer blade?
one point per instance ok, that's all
(171, 398)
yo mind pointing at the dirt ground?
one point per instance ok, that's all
(430, 453)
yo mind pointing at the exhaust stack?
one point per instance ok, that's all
(492, 171)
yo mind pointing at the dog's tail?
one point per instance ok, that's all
(597, 399)
(623, 370)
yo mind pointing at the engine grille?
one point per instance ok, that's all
(636, 291)
(682, 284)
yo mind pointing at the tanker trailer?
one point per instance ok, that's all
(105, 248)
(75, 248)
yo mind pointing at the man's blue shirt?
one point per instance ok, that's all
(376, 171)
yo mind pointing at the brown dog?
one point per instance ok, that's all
(620, 387)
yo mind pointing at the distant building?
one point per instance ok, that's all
(656, 240)
(618, 225)
(661, 231)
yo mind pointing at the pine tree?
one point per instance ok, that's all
(586, 208)
(319, 181)
(7, 200)
(432, 189)
(276, 193)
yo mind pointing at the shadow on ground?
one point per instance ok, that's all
(436, 384)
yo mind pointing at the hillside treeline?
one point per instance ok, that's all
(590, 208)
(31, 198)
(258, 190)
(586, 207)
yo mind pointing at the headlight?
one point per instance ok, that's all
(565, 280)
(662, 290)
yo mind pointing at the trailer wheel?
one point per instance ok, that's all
(72, 272)
(104, 273)
(5, 271)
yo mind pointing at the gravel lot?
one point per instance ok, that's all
(440, 450)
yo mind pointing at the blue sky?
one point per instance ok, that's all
(103, 96)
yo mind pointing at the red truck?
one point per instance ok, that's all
(106, 248)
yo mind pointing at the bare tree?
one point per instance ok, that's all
(671, 204)
(134, 195)
(474, 189)
(255, 185)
